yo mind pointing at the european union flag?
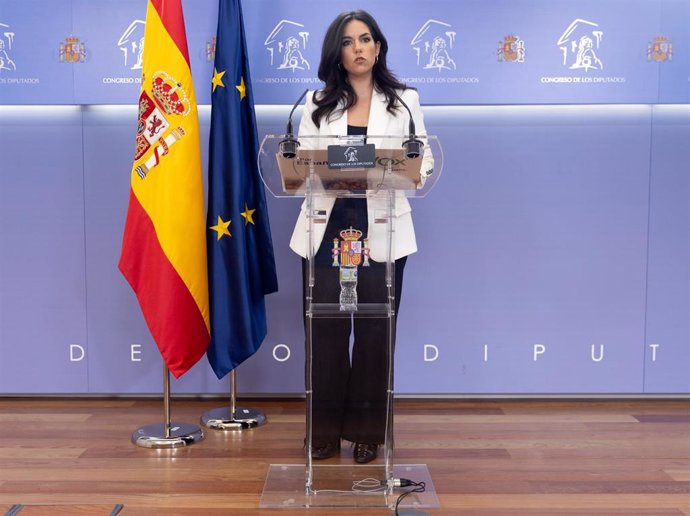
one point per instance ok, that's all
(241, 266)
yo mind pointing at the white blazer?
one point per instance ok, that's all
(381, 122)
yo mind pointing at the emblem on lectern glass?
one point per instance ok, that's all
(348, 254)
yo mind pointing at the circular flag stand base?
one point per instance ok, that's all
(154, 436)
(223, 418)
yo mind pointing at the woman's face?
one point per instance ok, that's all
(358, 49)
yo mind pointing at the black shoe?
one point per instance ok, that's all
(365, 452)
(324, 451)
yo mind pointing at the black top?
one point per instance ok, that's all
(356, 130)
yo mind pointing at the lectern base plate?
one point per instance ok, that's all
(342, 486)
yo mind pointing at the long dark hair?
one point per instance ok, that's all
(335, 76)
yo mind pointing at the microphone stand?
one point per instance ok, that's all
(413, 146)
(288, 147)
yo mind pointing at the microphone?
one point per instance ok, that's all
(288, 147)
(413, 146)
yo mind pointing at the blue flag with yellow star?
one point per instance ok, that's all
(241, 266)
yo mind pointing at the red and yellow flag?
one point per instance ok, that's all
(164, 244)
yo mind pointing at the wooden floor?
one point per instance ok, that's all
(485, 457)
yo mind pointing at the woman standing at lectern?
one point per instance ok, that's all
(360, 97)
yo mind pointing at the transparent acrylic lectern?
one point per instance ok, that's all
(349, 273)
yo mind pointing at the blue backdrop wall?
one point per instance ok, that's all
(554, 256)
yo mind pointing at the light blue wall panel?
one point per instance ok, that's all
(667, 350)
(42, 281)
(537, 236)
(115, 322)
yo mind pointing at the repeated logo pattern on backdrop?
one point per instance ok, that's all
(511, 50)
(6, 40)
(660, 50)
(580, 43)
(433, 44)
(603, 52)
(285, 44)
(285, 57)
(72, 50)
(131, 44)
(437, 52)
(13, 72)
(583, 48)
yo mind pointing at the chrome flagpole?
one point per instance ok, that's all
(233, 417)
(167, 434)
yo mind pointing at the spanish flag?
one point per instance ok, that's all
(164, 244)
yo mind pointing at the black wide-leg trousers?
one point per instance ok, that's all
(349, 391)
